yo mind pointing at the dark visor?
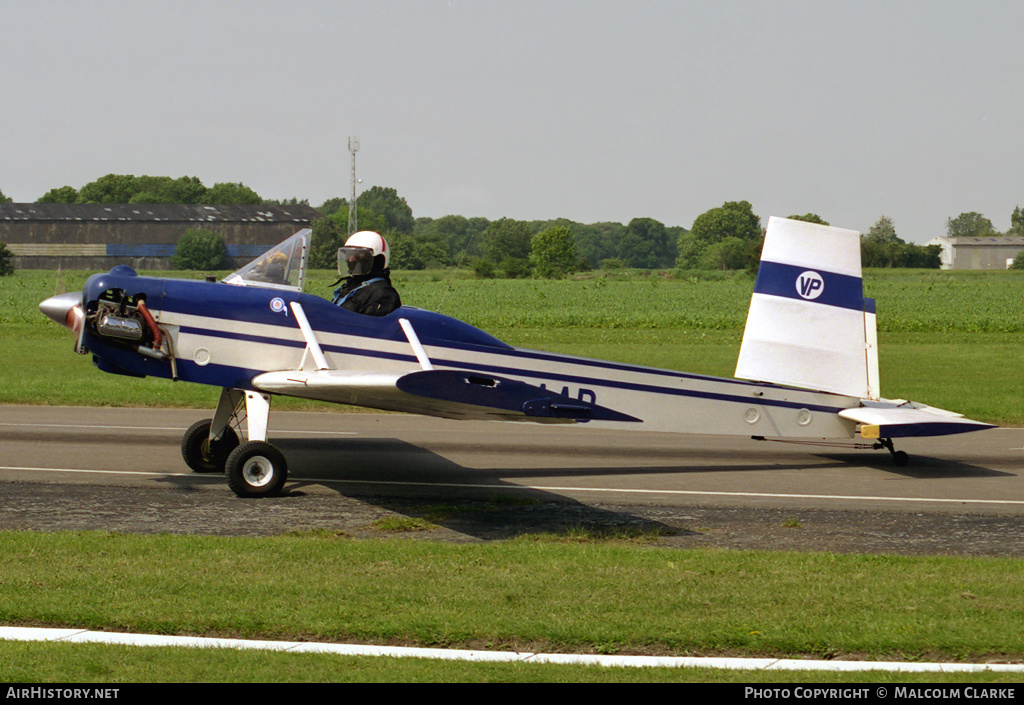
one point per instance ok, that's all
(355, 261)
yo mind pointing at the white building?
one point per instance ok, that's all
(995, 252)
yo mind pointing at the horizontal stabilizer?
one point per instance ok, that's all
(908, 420)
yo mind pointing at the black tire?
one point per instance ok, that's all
(900, 458)
(203, 456)
(256, 469)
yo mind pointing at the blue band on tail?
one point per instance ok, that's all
(811, 285)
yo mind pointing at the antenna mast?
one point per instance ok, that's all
(353, 147)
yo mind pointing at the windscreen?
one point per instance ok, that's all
(281, 267)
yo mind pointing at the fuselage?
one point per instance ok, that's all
(224, 335)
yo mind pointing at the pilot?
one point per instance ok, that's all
(367, 288)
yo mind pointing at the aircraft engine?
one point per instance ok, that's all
(122, 317)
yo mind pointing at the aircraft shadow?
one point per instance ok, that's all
(920, 467)
(487, 504)
(410, 480)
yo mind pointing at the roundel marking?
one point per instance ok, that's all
(810, 285)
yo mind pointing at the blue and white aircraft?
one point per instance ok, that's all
(807, 369)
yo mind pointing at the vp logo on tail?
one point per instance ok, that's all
(810, 285)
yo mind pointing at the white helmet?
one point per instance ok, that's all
(360, 251)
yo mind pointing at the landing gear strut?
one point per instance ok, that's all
(899, 457)
(254, 468)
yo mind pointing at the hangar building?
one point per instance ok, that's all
(995, 252)
(98, 236)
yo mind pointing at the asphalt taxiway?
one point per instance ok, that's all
(121, 470)
(982, 472)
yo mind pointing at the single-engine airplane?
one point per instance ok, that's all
(807, 368)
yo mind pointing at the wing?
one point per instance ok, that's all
(445, 393)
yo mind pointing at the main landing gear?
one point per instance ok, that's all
(254, 468)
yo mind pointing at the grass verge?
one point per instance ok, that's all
(547, 594)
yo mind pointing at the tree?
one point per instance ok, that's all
(387, 203)
(4, 199)
(1018, 261)
(1016, 222)
(597, 242)
(199, 249)
(969, 225)
(6, 265)
(64, 194)
(883, 231)
(231, 194)
(126, 188)
(882, 247)
(507, 244)
(455, 233)
(112, 188)
(646, 244)
(732, 219)
(164, 189)
(689, 250)
(331, 205)
(809, 218)
(553, 252)
(730, 253)
(326, 239)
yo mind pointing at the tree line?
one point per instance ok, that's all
(728, 237)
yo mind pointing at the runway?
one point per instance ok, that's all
(403, 455)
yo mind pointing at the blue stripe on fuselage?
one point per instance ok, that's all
(811, 285)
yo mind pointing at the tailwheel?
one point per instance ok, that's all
(203, 455)
(899, 457)
(256, 469)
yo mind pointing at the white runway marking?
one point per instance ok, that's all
(108, 427)
(80, 636)
(553, 488)
(104, 472)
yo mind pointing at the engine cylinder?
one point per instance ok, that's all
(112, 326)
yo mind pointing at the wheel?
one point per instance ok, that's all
(200, 454)
(900, 458)
(256, 469)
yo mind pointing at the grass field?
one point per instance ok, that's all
(949, 339)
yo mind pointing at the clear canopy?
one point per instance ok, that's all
(281, 267)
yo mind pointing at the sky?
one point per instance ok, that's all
(592, 110)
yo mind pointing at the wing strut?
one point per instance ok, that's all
(307, 332)
(414, 341)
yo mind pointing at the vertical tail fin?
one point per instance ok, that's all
(809, 324)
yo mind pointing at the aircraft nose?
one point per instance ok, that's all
(63, 308)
